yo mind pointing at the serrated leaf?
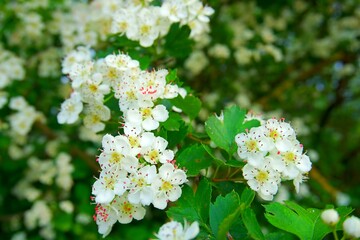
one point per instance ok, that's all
(251, 224)
(192, 206)
(223, 131)
(190, 105)
(306, 224)
(224, 213)
(193, 158)
(177, 42)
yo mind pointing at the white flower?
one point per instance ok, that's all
(18, 103)
(105, 217)
(95, 113)
(262, 179)
(148, 117)
(121, 62)
(166, 185)
(94, 89)
(254, 145)
(279, 130)
(128, 211)
(154, 149)
(352, 227)
(103, 188)
(80, 73)
(330, 217)
(175, 10)
(116, 152)
(290, 161)
(70, 109)
(139, 185)
(174, 231)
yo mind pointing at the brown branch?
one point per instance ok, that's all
(319, 178)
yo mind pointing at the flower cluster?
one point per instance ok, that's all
(11, 68)
(45, 172)
(273, 154)
(137, 169)
(175, 230)
(152, 22)
(138, 20)
(136, 90)
(22, 121)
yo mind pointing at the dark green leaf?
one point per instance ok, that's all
(251, 224)
(223, 131)
(192, 206)
(247, 196)
(306, 224)
(224, 213)
(177, 42)
(193, 158)
(190, 105)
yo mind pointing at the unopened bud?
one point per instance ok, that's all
(352, 227)
(330, 217)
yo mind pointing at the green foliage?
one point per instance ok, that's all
(193, 206)
(177, 42)
(223, 131)
(304, 223)
(193, 159)
(190, 105)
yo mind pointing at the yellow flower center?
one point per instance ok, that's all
(153, 155)
(166, 186)
(289, 157)
(127, 208)
(109, 182)
(146, 112)
(274, 134)
(251, 145)
(144, 29)
(262, 176)
(131, 95)
(115, 158)
(134, 141)
(93, 88)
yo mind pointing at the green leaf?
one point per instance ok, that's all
(192, 206)
(210, 151)
(223, 131)
(247, 196)
(235, 163)
(203, 198)
(173, 122)
(177, 42)
(306, 224)
(224, 213)
(251, 224)
(279, 236)
(190, 105)
(193, 158)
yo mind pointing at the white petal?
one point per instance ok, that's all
(160, 113)
(150, 124)
(105, 197)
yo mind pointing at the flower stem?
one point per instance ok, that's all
(335, 234)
